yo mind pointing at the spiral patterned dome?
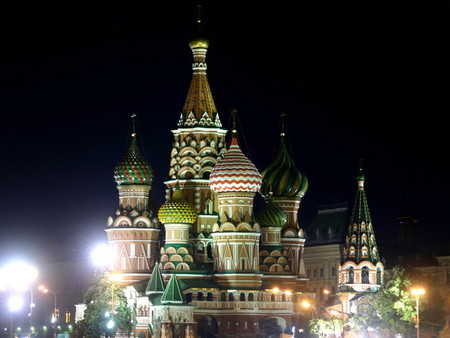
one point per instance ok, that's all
(235, 172)
(271, 215)
(282, 177)
(177, 210)
(133, 168)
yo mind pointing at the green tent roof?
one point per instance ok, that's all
(173, 294)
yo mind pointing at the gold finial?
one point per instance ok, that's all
(282, 116)
(133, 131)
(233, 116)
(199, 18)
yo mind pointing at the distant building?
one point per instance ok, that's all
(323, 248)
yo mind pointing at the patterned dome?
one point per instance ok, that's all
(271, 215)
(133, 168)
(177, 210)
(235, 172)
(282, 177)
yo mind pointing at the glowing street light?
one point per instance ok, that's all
(417, 292)
(306, 304)
(15, 303)
(45, 290)
(101, 256)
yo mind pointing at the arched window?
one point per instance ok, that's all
(378, 276)
(209, 297)
(200, 296)
(230, 297)
(351, 276)
(223, 296)
(250, 297)
(209, 250)
(242, 297)
(188, 297)
(365, 275)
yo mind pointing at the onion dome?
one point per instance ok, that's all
(282, 177)
(177, 210)
(271, 215)
(133, 168)
(235, 172)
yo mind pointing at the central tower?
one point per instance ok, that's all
(199, 142)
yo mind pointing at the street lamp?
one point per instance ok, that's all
(417, 292)
(306, 304)
(18, 276)
(14, 304)
(101, 256)
(54, 319)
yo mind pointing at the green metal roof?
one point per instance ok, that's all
(173, 294)
(156, 283)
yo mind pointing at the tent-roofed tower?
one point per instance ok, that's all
(199, 142)
(133, 230)
(361, 269)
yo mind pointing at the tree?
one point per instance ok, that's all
(105, 304)
(395, 307)
(270, 327)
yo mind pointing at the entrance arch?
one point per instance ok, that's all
(207, 327)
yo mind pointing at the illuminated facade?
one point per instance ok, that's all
(361, 270)
(204, 263)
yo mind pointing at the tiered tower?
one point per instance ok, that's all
(133, 230)
(361, 269)
(287, 185)
(199, 143)
(236, 235)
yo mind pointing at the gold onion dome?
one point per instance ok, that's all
(282, 176)
(177, 210)
(199, 43)
(133, 169)
(271, 215)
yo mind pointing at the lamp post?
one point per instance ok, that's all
(15, 304)
(306, 304)
(417, 292)
(18, 276)
(45, 290)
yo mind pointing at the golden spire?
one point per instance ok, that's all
(199, 108)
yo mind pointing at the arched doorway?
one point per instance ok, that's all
(207, 327)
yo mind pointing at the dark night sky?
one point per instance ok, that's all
(356, 80)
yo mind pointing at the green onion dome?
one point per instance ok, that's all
(177, 210)
(282, 177)
(271, 215)
(133, 168)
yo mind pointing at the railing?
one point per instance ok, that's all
(244, 305)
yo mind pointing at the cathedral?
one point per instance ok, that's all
(205, 263)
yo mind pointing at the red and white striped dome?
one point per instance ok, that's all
(235, 172)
